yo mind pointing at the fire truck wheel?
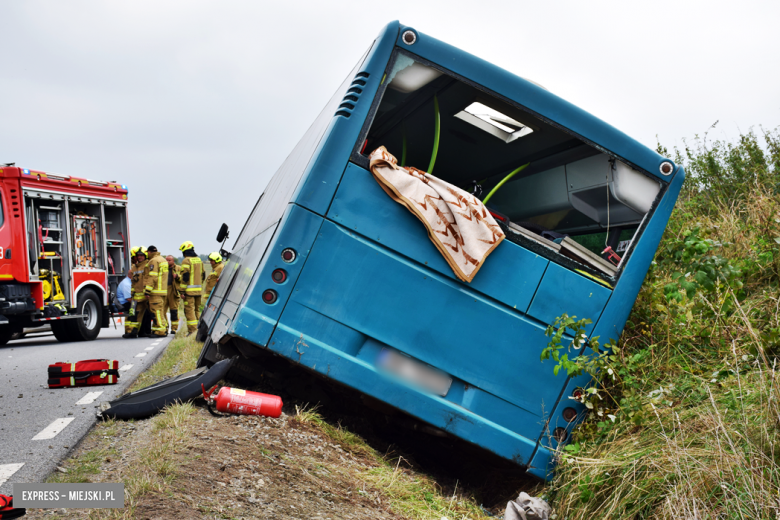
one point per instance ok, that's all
(87, 328)
(6, 333)
(61, 331)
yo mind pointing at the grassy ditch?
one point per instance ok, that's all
(185, 463)
(686, 411)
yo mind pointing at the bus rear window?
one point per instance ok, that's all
(544, 184)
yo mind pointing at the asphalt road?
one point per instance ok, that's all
(38, 425)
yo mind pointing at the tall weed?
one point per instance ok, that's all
(692, 387)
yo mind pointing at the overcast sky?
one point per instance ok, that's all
(194, 104)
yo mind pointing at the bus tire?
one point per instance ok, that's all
(88, 327)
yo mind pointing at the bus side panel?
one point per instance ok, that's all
(251, 253)
(256, 319)
(429, 317)
(511, 274)
(614, 317)
(291, 181)
(564, 292)
(322, 176)
(312, 339)
(346, 355)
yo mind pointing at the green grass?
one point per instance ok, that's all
(179, 357)
(410, 493)
(694, 388)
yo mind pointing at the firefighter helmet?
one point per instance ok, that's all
(216, 257)
(186, 245)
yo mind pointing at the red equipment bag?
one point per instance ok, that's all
(7, 509)
(84, 373)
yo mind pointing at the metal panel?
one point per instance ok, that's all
(428, 316)
(563, 291)
(219, 306)
(324, 172)
(510, 274)
(466, 412)
(256, 319)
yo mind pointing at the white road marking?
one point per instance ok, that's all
(53, 429)
(149, 348)
(142, 354)
(89, 398)
(125, 368)
(6, 470)
(156, 343)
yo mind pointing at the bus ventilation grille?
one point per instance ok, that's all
(349, 102)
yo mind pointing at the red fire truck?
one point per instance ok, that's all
(63, 251)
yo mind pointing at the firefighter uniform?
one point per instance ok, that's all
(216, 269)
(156, 289)
(190, 286)
(173, 299)
(137, 292)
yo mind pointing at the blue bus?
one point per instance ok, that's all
(333, 275)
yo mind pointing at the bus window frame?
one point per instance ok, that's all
(361, 160)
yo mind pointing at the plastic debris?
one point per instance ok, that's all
(526, 507)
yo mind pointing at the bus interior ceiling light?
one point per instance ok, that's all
(408, 75)
(493, 122)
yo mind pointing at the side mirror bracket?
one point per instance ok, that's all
(222, 236)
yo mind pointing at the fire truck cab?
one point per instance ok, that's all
(63, 251)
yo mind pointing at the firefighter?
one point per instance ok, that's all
(190, 286)
(156, 290)
(216, 269)
(139, 305)
(173, 300)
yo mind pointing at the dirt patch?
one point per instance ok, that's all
(237, 467)
(347, 458)
(256, 467)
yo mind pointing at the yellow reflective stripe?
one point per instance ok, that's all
(163, 270)
(72, 381)
(192, 322)
(160, 292)
(139, 297)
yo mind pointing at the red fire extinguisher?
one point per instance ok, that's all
(243, 402)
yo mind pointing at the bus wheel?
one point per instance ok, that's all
(88, 327)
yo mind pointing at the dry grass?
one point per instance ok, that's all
(183, 463)
(697, 397)
(410, 493)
